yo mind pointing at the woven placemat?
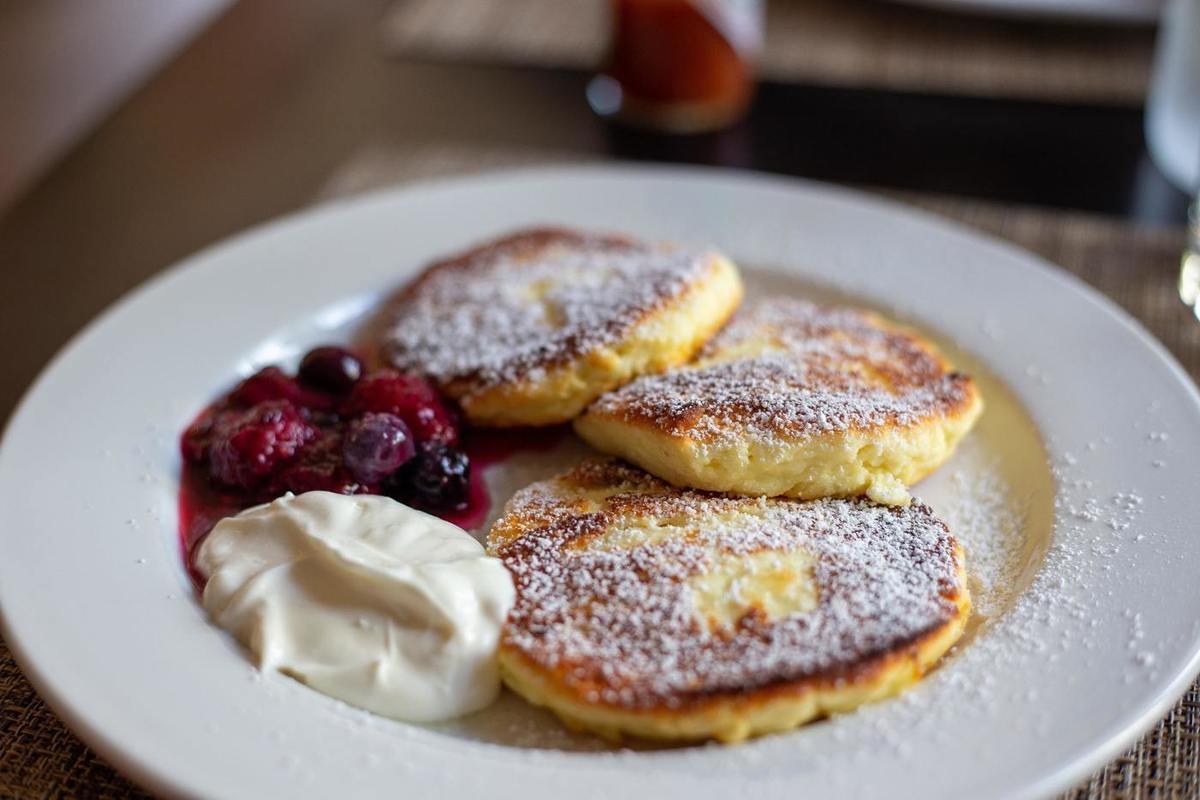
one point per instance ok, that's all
(855, 43)
(1135, 266)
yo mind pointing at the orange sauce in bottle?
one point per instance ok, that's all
(672, 66)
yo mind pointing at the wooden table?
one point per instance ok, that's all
(256, 115)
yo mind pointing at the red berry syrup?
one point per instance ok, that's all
(202, 504)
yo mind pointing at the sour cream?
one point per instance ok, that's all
(364, 599)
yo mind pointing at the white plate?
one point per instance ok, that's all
(1114, 11)
(1092, 635)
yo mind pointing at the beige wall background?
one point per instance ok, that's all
(64, 64)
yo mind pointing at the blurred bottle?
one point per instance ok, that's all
(682, 66)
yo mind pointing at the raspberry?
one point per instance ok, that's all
(269, 383)
(320, 468)
(434, 424)
(409, 398)
(250, 446)
(272, 383)
(198, 436)
(389, 392)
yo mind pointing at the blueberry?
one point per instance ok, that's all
(330, 369)
(375, 446)
(438, 479)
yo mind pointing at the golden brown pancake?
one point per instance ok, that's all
(794, 399)
(649, 611)
(530, 328)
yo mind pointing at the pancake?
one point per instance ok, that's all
(654, 612)
(531, 328)
(794, 399)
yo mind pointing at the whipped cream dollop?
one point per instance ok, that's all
(364, 599)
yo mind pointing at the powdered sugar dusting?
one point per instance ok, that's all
(989, 523)
(620, 622)
(788, 368)
(509, 310)
(1064, 614)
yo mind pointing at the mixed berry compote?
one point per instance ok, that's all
(339, 427)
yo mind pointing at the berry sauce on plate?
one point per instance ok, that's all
(335, 426)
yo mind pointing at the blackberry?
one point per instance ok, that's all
(438, 479)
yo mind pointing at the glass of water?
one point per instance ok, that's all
(1189, 273)
(1173, 124)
